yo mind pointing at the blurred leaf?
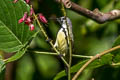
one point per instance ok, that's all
(73, 69)
(106, 59)
(2, 69)
(25, 68)
(86, 3)
(102, 3)
(117, 4)
(86, 74)
(111, 29)
(2, 75)
(13, 35)
(98, 45)
(116, 53)
(1, 54)
(2, 63)
(41, 43)
(108, 6)
(53, 28)
(48, 65)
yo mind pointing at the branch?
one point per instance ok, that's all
(55, 54)
(115, 64)
(95, 15)
(68, 40)
(92, 59)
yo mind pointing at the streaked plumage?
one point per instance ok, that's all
(62, 36)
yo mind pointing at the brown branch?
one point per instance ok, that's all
(95, 15)
(67, 3)
(92, 59)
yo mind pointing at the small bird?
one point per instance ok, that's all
(62, 42)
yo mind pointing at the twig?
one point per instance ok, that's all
(47, 38)
(92, 59)
(81, 56)
(95, 15)
(68, 40)
(115, 64)
(55, 54)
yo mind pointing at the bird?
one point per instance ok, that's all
(62, 42)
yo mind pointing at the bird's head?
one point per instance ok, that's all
(62, 21)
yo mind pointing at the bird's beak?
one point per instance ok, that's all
(59, 20)
(56, 19)
(52, 18)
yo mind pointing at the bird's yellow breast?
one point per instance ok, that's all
(62, 42)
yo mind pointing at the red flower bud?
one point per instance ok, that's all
(27, 1)
(42, 18)
(31, 11)
(28, 20)
(23, 18)
(31, 26)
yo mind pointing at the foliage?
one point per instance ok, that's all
(90, 38)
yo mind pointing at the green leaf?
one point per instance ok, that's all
(13, 35)
(2, 75)
(28, 69)
(16, 56)
(116, 53)
(2, 65)
(21, 52)
(8, 44)
(73, 69)
(2, 69)
(48, 65)
(106, 59)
